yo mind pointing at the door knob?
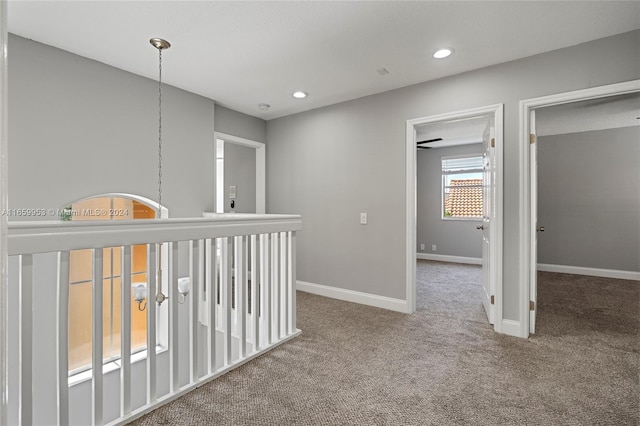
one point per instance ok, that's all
(479, 226)
(540, 229)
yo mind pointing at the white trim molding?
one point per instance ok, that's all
(511, 328)
(4, 289)
(592, 272)
(383, 302)
(497, 110)
(450, 259)
(528, 244)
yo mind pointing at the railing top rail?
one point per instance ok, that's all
(30, 237)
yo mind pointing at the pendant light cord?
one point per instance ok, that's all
(159, 132)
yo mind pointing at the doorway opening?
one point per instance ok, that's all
(530, 227)
(472, 167)
(240, 175)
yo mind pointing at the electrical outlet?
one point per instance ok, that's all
(421, 246)
(433, 247)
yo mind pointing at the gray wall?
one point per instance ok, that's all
(451, 237)
(331, 163)
(589, 199)
(241, 125)
(240, 170)
(79, 127)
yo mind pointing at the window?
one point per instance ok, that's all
(462, 182)
(81, 284)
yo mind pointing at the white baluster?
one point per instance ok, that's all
(97, 337)
(227, 296)
(292, 282)
(174, 342)
(265, 284)
(196, 279)
(275, 286)
(254, 293)
(62, 340)
(25, 334)
(152, 259)
(241, 298)
(283, 285)
(210, 286)
(125, 333)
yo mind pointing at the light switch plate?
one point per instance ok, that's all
(363, 218)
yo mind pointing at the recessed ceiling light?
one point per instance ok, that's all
(264, 107)
(442, 53)
(299, 94)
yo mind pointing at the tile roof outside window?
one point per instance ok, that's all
(464, 198)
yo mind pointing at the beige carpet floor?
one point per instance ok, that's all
(358, 365)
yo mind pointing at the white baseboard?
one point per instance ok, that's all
(593, 272)
(453, 259)
(511, 328)
(354, 296)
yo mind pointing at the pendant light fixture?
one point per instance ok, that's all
(161, 45)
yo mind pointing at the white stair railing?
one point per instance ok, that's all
(242, 273)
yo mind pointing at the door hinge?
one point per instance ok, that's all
(532, 138)
(493, 142)
(493, 299)
(532, 305)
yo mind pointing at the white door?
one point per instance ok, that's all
(533, 270)
(488, 168)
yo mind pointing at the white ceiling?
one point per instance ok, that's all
(244, 53)
(453, 132)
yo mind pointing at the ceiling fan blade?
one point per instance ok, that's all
(429, 141)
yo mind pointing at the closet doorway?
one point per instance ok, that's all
(530, 228)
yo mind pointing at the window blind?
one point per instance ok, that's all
(461, 164)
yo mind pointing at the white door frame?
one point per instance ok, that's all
(3, 218)
(496, 241)
(528, 177)
(260, 166)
